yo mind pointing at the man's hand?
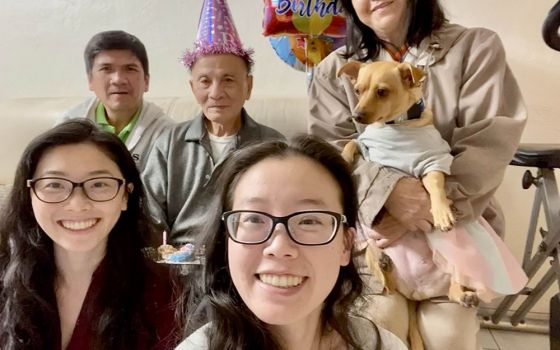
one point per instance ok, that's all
(409, 204)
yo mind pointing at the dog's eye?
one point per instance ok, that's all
(381, 92)
(357, 91)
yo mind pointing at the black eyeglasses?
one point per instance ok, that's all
(57, 190)
(313, 227)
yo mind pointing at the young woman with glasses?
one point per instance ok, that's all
(279, 271)
(72, 274)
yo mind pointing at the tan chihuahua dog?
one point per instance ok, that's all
(387, 90)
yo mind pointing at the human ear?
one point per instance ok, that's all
(146, 82)
(249, 86)
(346, 255)
(128, 189)
(90, 83)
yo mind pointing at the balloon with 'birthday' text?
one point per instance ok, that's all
(304, 17)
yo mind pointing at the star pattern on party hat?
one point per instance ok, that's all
(216, 34)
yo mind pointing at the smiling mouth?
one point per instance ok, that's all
(281, 281)
(382, 5)
(78, 225)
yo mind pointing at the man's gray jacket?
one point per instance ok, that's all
(179, 169)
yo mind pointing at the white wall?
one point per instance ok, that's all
(42, 43)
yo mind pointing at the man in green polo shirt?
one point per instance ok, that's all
(118, 73)
(101, 120)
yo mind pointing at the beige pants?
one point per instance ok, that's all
(442, 325)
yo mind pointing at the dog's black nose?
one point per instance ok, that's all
(357, 116)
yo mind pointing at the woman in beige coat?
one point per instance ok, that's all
(477, 108)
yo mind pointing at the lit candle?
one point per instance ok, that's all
(164, 237)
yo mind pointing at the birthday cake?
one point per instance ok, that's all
(170, 254)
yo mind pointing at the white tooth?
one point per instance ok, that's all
(292, 281)
(283, 281)
(79, 225)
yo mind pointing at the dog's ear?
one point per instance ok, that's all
(351, 69)
(410, 75)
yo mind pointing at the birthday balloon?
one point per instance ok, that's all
(304, 52)
(304, 17)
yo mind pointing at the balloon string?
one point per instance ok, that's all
(308, 69)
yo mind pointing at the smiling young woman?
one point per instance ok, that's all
(279, 272)
(72, 274)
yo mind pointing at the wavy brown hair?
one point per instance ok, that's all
(29, 316)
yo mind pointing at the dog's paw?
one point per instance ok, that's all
(385, 263)
(469, 299)
(348, 157)
(443, 217)
(349, 151)
(462, 295)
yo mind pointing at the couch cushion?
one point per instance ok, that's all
(25, 118)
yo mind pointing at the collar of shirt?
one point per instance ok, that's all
(198, 132)
(399, 54)
(101, 120)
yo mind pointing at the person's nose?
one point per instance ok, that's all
(280, 245)
(78, 200)
(216, 91)
(118, 77)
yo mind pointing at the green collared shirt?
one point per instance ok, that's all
(101, 120)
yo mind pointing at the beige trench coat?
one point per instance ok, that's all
(478, 109)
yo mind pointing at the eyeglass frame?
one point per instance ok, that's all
(31, 184)
(339, 219)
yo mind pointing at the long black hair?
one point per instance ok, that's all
(233, 325)
(29, 316)
(425, 17)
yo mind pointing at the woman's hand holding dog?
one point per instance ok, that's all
(386, 231)
(409, 204)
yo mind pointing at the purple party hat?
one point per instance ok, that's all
(216, 34)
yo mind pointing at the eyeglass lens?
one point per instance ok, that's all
(58, 190)
(305, 228)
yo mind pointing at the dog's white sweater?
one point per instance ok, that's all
(413, 150)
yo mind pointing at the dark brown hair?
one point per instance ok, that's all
(425, 17)
(233, 325)
(29, 316)
(115, 40)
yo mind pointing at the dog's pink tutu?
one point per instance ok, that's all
(477, 258)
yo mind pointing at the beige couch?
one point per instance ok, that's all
(23, 119)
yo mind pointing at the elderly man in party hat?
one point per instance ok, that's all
(185, 157)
